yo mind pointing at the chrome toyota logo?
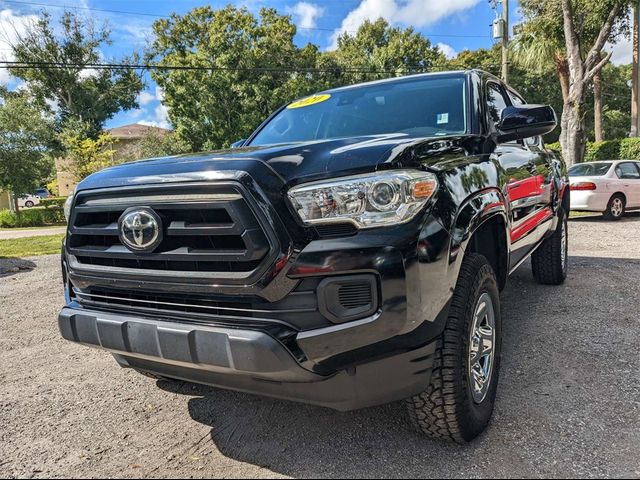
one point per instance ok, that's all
(140, 229)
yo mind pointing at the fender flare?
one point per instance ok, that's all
(473, 213)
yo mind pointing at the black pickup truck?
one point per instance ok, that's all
(349, 253)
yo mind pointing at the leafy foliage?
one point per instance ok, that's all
(35, 217)
(77, 94)
(378, 47)
(211, 109)
(155, 144)
(27, 143)
(88, 156)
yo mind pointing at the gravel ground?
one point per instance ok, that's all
(568, 403)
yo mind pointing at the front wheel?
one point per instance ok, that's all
(458, 403)
(550, 261)
(28, 204)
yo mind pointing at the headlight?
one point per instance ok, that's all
(371, 200)
(67, 205)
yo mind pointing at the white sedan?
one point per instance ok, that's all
(28, 201)
(611, 187)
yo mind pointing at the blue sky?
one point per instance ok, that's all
(452, 24)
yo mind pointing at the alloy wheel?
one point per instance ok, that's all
(481, 348)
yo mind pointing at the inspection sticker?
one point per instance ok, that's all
(443, 118)
(308, 101)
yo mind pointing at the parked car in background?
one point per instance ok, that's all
(610, 187)
(28, 201)
(42, 193)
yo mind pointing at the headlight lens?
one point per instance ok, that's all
(368, 201)
(67, 205)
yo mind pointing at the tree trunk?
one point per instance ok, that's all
(572, 138)
(597, 106)
(16, 208)
(563, 75)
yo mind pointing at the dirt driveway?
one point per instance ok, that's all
(568, 403)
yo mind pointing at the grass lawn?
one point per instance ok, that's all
(26, 247)
(582, 214)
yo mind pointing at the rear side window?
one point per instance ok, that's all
(496, 102)
(627, 170)
(589, 169)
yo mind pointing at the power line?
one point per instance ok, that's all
(267, 69)
(154, 15)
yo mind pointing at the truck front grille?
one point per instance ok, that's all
(207, 231)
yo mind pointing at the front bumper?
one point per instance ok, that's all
(245, 360)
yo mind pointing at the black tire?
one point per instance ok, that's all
(28, 204)
(549, 262)
(447, 409)
(613, 213)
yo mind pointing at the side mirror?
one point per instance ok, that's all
(525, 121)
(239, 143)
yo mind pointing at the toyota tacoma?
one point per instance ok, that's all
(349, 253)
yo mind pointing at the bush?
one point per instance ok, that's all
(607, 150)
(629, 149)
(620, 149)
(53, 202)
(32, 218)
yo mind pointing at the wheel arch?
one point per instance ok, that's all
(481, 226)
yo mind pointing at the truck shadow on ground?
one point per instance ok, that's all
(306, 441)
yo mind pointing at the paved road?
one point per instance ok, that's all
(568, 403)
(11, 233)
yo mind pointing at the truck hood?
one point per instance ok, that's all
(292, 163)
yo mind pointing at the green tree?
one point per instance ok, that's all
(248, 65)
(535, 85)
(378, 47)
(579, 29)
(83, 98)
(154, 144)
(87, 155)
(27, 142)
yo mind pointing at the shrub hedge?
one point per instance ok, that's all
(53, 202)
(32, 218)
(619, 149)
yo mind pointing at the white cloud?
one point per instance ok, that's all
(417, 13)
(11, 28)
(622, 52)
(160, 118)
(145, 98)
(159, 93)
(306, 14)
(447, 50)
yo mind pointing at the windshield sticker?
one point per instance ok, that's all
(308, 101)
(443, 118)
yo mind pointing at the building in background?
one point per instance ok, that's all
(125, 137)
(5, 200)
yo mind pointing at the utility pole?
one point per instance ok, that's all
(634, 75)
(505, 40)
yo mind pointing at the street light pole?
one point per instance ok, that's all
(505, 40)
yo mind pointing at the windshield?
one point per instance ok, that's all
(589, 169)
(428, 106)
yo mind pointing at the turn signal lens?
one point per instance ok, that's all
(424, 189)
(582, 186)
